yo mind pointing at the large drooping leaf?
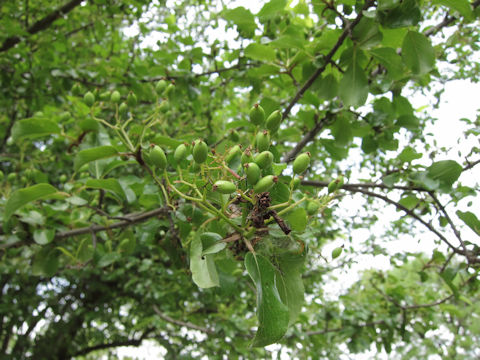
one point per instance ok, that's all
(367, 34)
(470, 219)
(273, 315)
(396, 14)
(389, 58)
(354, 86)
(45, 262)
(88, 155)
(22, 197)
(204, 272)
(290, 284)
(418, 53)
(34, 127)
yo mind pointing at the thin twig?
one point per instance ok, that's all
(181, 323)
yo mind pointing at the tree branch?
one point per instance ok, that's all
(128, 342)
(352, 187)
(41, 24)
(348, 29)
(309, 136)
(181, 323)
(132, 219)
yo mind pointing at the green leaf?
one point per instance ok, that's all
(43, 236)
(446, 172)
(111, 185)
(406, 13)
(290, 284)
(354, 86)
(462, 6)
(271, 8)
(448, 275)
(470, 219)
(389, 58)
(167, 141)
(260, 52)
(215, 248)
(408, 154)
(22, 197)
(418, 53)
(273, 315)
(35, 127)
(244, 20)
(367, 34)
(45, 262)
(297, 218)
(92, 154)
(108, 259)
(204, 272)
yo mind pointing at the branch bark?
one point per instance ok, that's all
(41, 24)
(181, 323)
(132, 219)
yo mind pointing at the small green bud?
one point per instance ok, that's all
(274, 120)
(200, 151)
(123, 108)
(224, 187)
(265, 183)
(257, 115)
(301, 163)
(312, 207)
(180, 153)
(161, 86)
(253, 173)
(232, 153)
(263, 140)
(89, 99)
(264, 159)
(115, 97)
(337, 252)
(158, 158)
(131, 99)
(246, 156)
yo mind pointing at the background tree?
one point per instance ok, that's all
(106, 241)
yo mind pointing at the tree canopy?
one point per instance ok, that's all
(173, 171)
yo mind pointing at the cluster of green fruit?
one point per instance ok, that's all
(252, 165)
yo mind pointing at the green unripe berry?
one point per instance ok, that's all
(169, 89)
(76, 89)
(164, 106)
(301, 163)
(257, 115)
(274, 120)
(246, 156)
(224, 187)
(253, 173)
(104, 96)
(262, 140)
(62, 178)
(89, 99)
(335, 184)
(131, 99)
(264, 159)
(115, 97)
(200, 151)
(232, 153)
(158, 158)
(123, 108)
(337, 252)
(180, 153)
(65, 116)
(161, 86)
(11, 177)
(265, 183)
(312, 207)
